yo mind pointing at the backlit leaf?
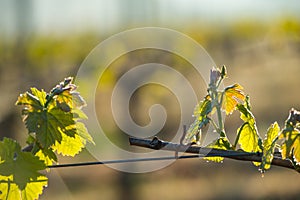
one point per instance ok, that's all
(297, 150)
(79, 114)
(9, 190)
(70, 98)
(221, 143)
(83, 133)
(69, 146)
(231, 97)
(52, 120)
(34, 188)
(19, 171)
(269, 146)
(48, 125)
(30, 102)
(248, 136)
(40, 95)
(47, 155)
(291, 144)
(50, 117)
(201, 112)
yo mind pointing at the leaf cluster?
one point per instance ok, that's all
(230, 99)
(53, 123)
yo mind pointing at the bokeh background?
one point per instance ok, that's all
(41, 42)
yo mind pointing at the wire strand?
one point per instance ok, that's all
(137, 160)
(122, 161)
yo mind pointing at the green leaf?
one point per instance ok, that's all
(22, 165)
(248, 138)
(40, 95)
(247, 134)
(296, 152)
(53, 118)
(8, 147)
(34, 188)
(231, 97)
(66, 96)
(47, 155)
(201, 112)
(79, 114)
(30, 102)
(10, 190)
(220, 143)
(69, 146)
(71, 99)
(83, 133)
(49, 125)
(269, 146)
(291, 144)
(26, 167)
(20, 169)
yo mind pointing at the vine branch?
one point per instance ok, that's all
(158, 144)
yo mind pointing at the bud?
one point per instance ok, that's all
(215, 75)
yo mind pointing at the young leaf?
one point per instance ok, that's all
(291, 144)
(47, 155)
(296, 147)
(69, 146)
(248, 136)
(70, 98)
(65, 85)
(48, 125)
(220, 143)
(201, 112)
(40, 95)
(10, 190)
(53, 118)
(20, 169)
(83, 133)
(269, 146)
(231, 97)
(30, 102)
(291, 138)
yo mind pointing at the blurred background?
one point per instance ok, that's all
(41, 42)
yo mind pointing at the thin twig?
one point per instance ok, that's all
(158, 144)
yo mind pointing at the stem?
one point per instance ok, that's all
(157, 144)
(218, 105)
(219, 82)
(220, 120)
(220, 112)
(238, 135)
(49, 98)
(213, 123)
